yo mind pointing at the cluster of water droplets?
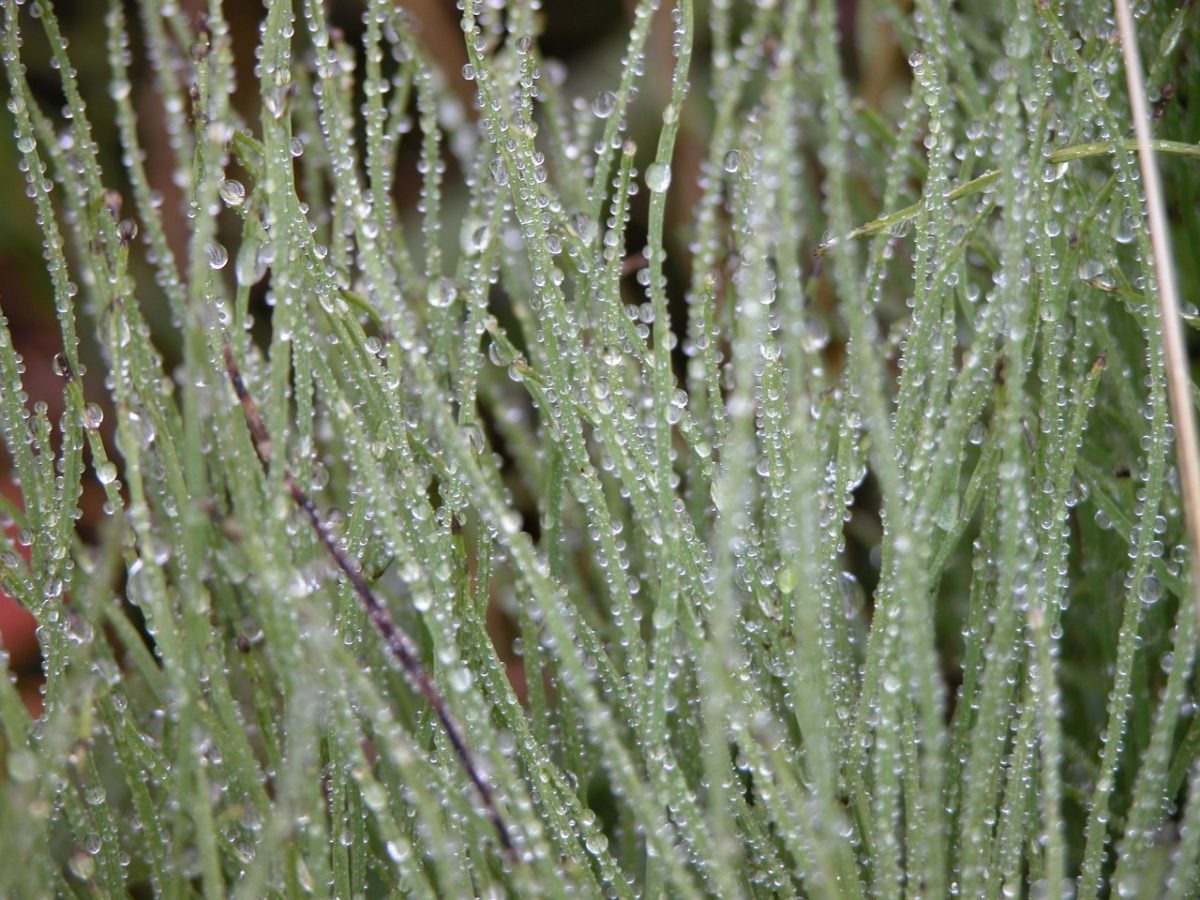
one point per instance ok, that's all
(500, 397)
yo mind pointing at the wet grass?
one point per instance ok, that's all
(728, 480)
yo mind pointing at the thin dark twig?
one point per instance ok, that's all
(397, 641)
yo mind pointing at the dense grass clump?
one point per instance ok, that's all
(743, 470)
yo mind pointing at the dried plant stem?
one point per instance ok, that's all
(397, 641)
(1179, 388)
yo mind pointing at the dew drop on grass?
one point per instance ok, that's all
(373, 794)
(442, 292)
(246, 268)
(82, 865)
(127, 230)
(658, 177)
(460, 679)
(499, 172)
(275, 100)
(218, 256)
(498, 355)
(1151, 590)
(584, 226)
(815, 336)
(264, 259)
(732, 161)
(1126, 227)
(106, 472)
(304, 876)
(475, 236)
(475, 438)
(1053, 173)
(233, 192)
(604, 104)
(397, 852)
(947, 515)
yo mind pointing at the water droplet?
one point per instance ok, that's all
(218, 256)
(475, 437)
(264, 259)
(499, 173)
(658, 177)
(1053, 173)
(475, 236)
(442, 292)
(373, 794)
(106, 472)
(947, 515)
(460, 679)
(1151, 590)
(246, 268)
(584, 226)
(732, 160)
(555, 72)
(597, 843)
(1127, 227)
(82, 865)
(275, 100)
(304, 875)
(604, 104)
(233, 192)
(127, 230)
(498, 355)
(815, 336)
